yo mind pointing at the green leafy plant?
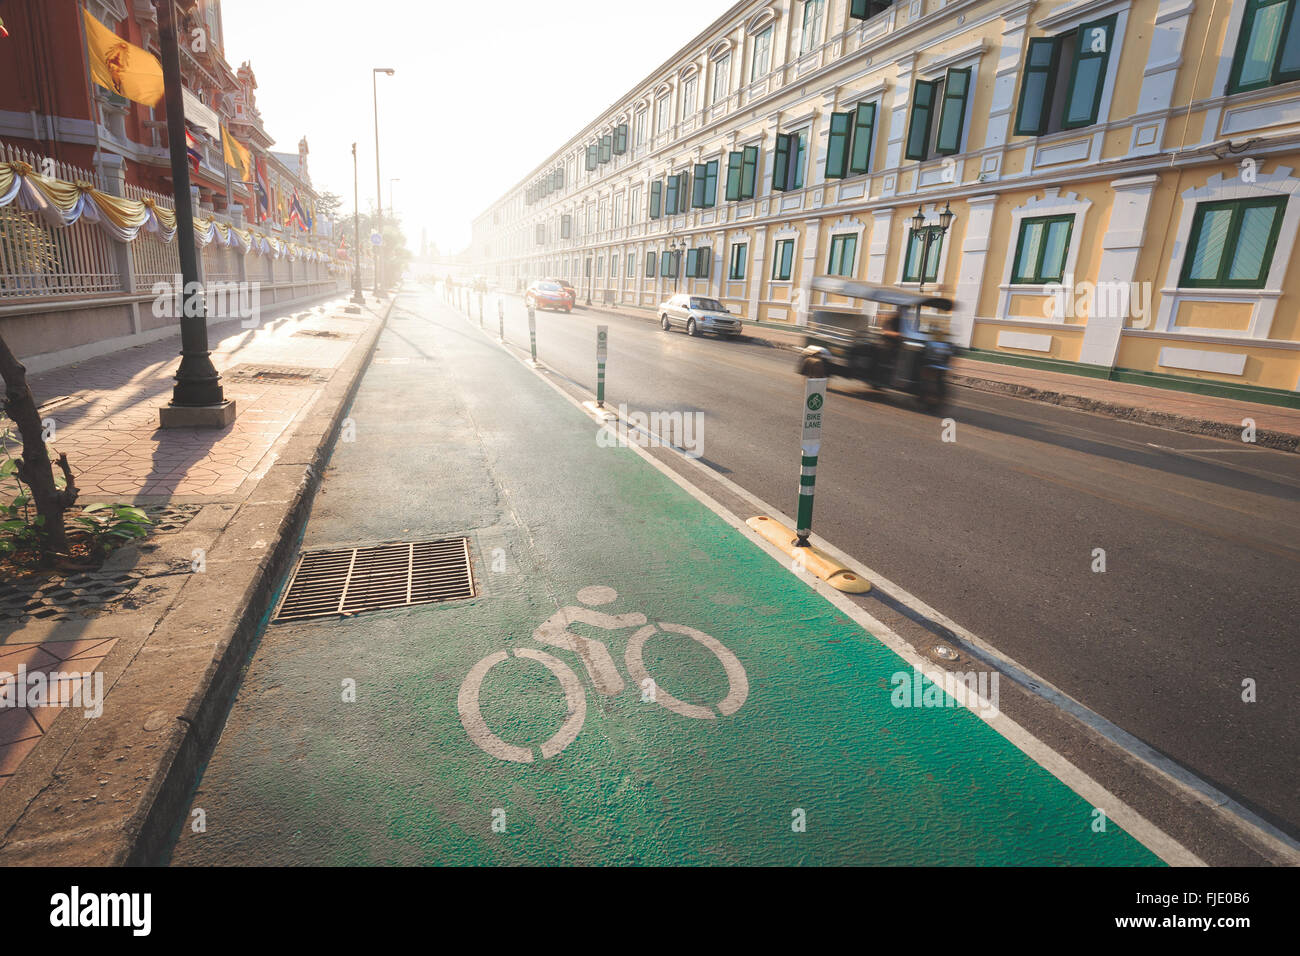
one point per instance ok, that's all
(20, 529)
(111, 525)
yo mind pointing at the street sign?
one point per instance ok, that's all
(376, 239)
(532, 332)
(814, 399)
(602, 351)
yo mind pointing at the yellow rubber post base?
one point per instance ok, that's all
(815, 560)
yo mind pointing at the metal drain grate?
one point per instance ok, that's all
(352, 580)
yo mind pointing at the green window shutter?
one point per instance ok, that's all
(704, 262)
(591, 157)
(1231, 244)
(650, 264)
(656, 194)
(739, 253)
(1041, 250)
(781, 161)
(692, 262)
(1038, 85)
(697, 195)
(711, 183)
(670, 196)
(916, 251)
(866, 9)
(606, 147)
(864, 129)
(1263, 26)
(566, 226)
(838, 145)
(952, 118)
(1288, 59)
(796, 174)
(620, 139)
(843, 251)
(733, 175)
(918, 127)
(749, 173)
(1088, 78)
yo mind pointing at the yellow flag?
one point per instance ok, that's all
(239, 158)
(122, 67)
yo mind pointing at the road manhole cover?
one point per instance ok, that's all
(276, 374)
(324, 334)
(352, 580)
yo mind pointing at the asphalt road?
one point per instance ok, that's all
(998, 530)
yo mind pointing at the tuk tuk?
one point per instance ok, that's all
(898, 346)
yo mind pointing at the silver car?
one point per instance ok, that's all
(698, 314)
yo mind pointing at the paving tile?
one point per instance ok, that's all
(11, 755)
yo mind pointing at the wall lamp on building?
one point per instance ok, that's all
(929, 236)
(676, 247)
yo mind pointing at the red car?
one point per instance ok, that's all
(548, 295)
(573, 293)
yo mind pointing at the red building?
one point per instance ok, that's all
(50, 106)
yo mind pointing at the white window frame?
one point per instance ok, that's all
(769, 30)
(1280, 182)
(1052, 203)
(807, 46)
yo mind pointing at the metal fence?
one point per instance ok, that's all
(153, 260)
(37, 259)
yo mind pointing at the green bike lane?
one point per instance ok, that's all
(753, 722)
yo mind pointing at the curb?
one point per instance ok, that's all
(304, 458)
(1280, 441)
(174, 694)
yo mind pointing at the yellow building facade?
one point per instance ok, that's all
(1120, 179)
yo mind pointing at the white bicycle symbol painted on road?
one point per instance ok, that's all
(604, 673)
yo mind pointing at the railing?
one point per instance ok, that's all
(37, 259)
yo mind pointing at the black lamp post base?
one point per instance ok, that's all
(197, 416)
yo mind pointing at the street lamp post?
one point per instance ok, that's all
(197, 397)
(929, 237)
(676, 247)
(357, 297)
(379, 192)
(392, 196)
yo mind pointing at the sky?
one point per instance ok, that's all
(484, 89)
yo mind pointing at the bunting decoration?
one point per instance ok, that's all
(60, 204)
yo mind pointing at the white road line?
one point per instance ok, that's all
(1249, 826)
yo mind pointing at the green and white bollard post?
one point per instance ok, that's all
(811, 443)
(532, 332)
(602, 351)
(501, 321)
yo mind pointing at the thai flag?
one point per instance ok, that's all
(192, 150)
(263, 193)
(297, 215)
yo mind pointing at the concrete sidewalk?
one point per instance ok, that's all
(165, 622)
(1275, 426)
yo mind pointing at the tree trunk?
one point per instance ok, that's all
(36, 470)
